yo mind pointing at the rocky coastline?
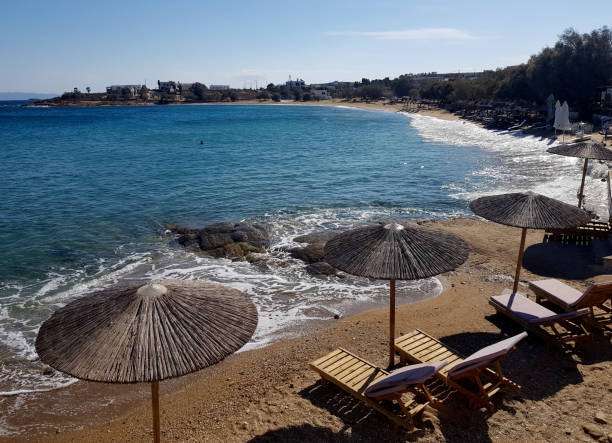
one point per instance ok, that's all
(236, 240)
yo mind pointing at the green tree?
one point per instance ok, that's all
(574, 68)
(199, 90)
(371, 92)
(402, 85)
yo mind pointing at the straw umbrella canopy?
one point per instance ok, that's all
(595, 151)
(528, 211)
(395, 252)
(147, 332)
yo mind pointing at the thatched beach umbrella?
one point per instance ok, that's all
(528, 211)
(395, 252)
(595, 151)
(147, 332)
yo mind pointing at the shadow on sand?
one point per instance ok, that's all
(318, 434)
(365, 423)
(568, 261)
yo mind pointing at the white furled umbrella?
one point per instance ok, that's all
(562, 118)
(557, 115)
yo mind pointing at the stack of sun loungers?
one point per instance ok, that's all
(581, 234)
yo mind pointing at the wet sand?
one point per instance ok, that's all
(270, 394)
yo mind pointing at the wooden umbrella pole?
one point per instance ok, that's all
(584, 171)
(155, 403)
(391, 323)
(519, 262)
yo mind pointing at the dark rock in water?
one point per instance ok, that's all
(256, 259)
(314, 251)
(322, 268)
(222, 233)
(310, 254)
(225, 239)
(189, 241)
(179, 229)
(318, 237)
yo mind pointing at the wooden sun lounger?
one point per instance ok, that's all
(596, 298)
(354, 375)
(555, 329)
(419, 347)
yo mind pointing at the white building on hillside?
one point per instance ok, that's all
(124, 89)
(169, 87)
(218, 87)
(320, 94)
(297, 83)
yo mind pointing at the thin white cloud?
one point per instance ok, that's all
(411, 34)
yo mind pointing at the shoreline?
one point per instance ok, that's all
(269, 394)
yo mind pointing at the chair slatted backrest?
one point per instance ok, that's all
(595, 295)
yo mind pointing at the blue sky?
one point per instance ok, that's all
(53, 46)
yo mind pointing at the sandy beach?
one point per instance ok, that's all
(270, 394)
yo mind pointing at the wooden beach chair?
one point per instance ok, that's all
(465, 375)
(596, 299)
(378, 388)
(555, 329)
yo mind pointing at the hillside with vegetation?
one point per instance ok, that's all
(574, 69)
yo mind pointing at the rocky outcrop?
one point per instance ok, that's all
(239, 240)
(226, 239)
(318, 237)
(313, 253)
(323, 268)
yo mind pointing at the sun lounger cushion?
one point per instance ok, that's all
(559, 290)
(530, 311)
(398, 380)
(486, 355)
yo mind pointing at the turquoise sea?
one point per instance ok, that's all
(85, 192)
